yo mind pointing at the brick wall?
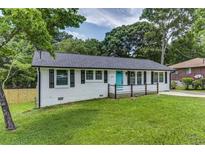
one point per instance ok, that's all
(181, 73)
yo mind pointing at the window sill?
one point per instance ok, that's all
(62, 87)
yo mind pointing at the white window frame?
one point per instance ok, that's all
(94, 77)
(141, 78)
(162, 76)
(157, 77)
(101, 75)
(135, 74)
(55, 78)
(188, 72)
(86, 75)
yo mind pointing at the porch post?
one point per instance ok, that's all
(131, 90)
(108, 90)
(115, 91)
(145, 88)
(157, 87)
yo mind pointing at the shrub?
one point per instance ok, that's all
(197, 83)
(173, 85)
(203, 83)
(187, 81)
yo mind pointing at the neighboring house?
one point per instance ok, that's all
(75, 77)
(194, 68)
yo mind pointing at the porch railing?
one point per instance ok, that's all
(116, 91)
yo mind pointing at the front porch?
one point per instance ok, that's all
(119, 91)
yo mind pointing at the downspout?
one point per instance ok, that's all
(39, 88)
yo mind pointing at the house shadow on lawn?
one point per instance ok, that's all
(56, 128)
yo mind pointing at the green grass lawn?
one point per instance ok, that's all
(143, 120)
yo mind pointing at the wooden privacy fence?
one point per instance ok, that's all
(20, 95)
(116, 91)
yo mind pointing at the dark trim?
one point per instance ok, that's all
(105, 76)
(39, 87)
(128, 77)
(51, 78)
(165, 77)
(152, 77)
(145, 77)
(82, 76)
(72, 78)
(102, 68)
(115, 91)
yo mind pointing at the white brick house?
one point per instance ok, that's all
(75, 77)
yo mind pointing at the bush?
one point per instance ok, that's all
(173, 85)
(187, 81)
(203, 83)
(197, 83)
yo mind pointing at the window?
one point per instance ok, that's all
(155, 77)
(132, 77)
(188, 70)
(139, 78)
(62, 77)
(89, 75)
(98, 75)
(72, 78)
(161, 77)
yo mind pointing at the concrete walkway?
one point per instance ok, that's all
(184, 93)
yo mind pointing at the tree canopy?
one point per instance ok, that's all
(171, 22)
(21, 32)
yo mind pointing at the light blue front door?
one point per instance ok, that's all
(119, 78)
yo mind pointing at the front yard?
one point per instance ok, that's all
(143, 120)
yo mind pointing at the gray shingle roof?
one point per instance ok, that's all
(64, 60)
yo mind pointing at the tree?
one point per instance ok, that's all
(198, 27)
(171, 22)
(36, 27)
(62, 36)
(136, 40)
(78, 46)
(60, 19)
(184, 48)
(13, 23)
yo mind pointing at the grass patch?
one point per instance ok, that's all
(143, 120)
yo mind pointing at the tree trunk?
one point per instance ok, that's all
(6, 112)
(163, 50)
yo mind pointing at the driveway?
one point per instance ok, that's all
(184, 93)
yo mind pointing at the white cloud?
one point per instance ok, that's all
(77, 35)
(111, 17)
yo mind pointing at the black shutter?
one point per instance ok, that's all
(145, 77)
(152, 77)
(51, 78)
(72, 78)
(105, 76)
(128, 77)
(165, 77)
(82, 76)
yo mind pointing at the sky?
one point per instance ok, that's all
(100, 21)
